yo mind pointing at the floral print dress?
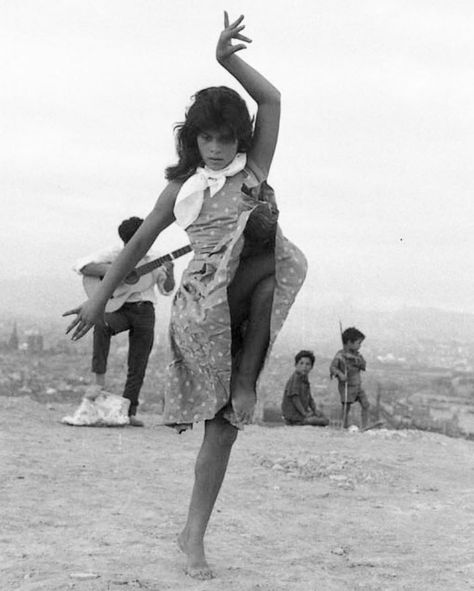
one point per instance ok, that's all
(200, 327)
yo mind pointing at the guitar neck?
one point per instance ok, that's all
(147, 267)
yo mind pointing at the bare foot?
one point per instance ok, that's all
(197, 566)
(243, 400)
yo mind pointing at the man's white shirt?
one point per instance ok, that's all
(108, 255)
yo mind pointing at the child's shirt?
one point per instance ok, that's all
(297, 387)
(350, 364)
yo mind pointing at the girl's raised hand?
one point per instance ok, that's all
(231, 31)
(87, 315)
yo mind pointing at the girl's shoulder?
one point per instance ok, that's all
(171, 190)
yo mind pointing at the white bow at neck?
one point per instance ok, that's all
(191, 195)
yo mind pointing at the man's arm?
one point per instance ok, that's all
(164, 278)
(169, 282)
(97, 263)
(95, 269)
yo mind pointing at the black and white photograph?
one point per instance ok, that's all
(236, 312)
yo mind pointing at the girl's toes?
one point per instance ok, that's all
(201, 573)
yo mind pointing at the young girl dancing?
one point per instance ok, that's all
(239, 286)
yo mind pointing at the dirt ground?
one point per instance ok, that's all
(302, 509)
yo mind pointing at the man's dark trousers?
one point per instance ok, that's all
(139, 319)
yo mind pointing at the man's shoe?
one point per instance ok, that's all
(134, 422)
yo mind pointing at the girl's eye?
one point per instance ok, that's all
(223, 139)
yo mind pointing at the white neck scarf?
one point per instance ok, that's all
(190, 197)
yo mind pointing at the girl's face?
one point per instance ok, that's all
(217, 148)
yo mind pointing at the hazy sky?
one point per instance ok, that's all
(373, 170)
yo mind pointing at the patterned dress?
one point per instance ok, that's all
(200, 327)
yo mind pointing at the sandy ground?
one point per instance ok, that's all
(96, 509)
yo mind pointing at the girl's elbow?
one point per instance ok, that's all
(274, 97)
(270, 98)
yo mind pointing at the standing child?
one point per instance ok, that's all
(238, 288)
(346, 367)
(298, 406)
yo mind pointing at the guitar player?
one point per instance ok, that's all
(136, 315)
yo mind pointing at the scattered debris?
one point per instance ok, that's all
(345, 472)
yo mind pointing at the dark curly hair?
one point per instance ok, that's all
(215, 107)
(352, 334)
(305, 353)
(128, 228)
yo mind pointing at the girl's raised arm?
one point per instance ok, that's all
(92, 311)
(259, 88)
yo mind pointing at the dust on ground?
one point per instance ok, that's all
(302, 508)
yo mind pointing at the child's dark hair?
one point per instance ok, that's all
(215, 107)
(305, 353)
(128, 228)
(352, 334)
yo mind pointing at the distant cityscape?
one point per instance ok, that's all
(410, 352)
(413, 380)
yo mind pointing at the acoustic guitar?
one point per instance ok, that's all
(137, 280)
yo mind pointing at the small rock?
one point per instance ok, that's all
(84, 576)
(278, 467)
(348, 485)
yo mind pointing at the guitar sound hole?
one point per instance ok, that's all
(132, 278)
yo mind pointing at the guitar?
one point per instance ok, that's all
(134, 281)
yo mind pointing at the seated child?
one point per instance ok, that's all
(346, 367)
(298, 407)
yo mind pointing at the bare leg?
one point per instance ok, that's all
(364, 416)
(100, 379)
(210, 468)
(250, 299)
(316, 421)
(254, 347)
